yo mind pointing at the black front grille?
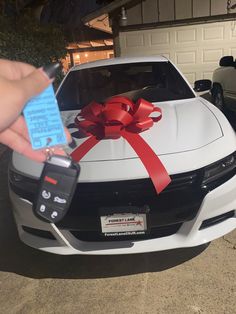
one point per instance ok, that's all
(179, 202)
(183, 189)
(156, 232)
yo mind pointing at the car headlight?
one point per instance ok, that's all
(221, 169)
(22, 185)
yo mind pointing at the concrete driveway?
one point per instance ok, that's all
(199, 280)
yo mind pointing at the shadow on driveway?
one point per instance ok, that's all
(18, 258)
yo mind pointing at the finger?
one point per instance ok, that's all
(21, 145)
(68, 135)
(32, 84)
(58, 151)
(22, 69)
(14, 95)
(14, 70)
(20, 127)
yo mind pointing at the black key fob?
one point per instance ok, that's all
(56, 189)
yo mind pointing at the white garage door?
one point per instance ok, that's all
(195, 49)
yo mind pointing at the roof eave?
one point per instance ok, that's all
(104, 10)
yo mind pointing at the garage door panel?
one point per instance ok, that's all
(185, 36)
(161, 38)
(233, 30)
(211, 55)
(213, 33)
(164, 54)
(232, 52)
(186, 57)
(195, 49)
(207, 75)
(190, 76)
(135, 40)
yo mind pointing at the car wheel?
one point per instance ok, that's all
(218, 97)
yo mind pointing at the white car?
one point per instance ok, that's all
(224, 84)
(116, 209)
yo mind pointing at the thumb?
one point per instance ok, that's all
(34, 83)
(15, 94)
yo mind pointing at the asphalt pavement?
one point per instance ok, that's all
(199, 280)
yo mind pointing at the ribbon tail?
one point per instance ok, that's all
(152, 163)
(84, 148)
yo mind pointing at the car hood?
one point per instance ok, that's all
(185, 125)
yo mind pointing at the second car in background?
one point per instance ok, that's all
(224, 84)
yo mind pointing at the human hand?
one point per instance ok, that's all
(18, 83)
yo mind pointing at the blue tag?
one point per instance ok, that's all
(43, 120)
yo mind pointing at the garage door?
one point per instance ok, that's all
(195, 49)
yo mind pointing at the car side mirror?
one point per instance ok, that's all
(226, 61)
(202, 85)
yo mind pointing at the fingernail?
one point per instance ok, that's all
(51, 69)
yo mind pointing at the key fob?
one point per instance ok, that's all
(56, 188)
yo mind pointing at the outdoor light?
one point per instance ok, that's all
(123, 17)
(230, 7)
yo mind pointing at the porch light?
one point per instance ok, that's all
(123, 17)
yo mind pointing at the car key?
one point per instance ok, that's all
(56, 188)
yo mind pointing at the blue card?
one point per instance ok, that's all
(43, 120)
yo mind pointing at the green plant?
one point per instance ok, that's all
(23, 38)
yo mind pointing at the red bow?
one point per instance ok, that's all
(118, 117)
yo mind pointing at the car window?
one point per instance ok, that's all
(153, 81)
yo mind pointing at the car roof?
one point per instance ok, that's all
(119, 60)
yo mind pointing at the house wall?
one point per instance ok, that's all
(195, 49)
(151, 11)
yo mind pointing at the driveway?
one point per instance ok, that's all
(199, 280)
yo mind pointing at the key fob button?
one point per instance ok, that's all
(49, 213)
(46, 194)
(56, 200)
(42, 208)
(56, 189)
(54, 214)
(60, 182)
(59, 200)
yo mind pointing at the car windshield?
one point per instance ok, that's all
(153, 81)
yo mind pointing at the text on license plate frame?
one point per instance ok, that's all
(124, 224)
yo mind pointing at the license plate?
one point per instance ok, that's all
(124, 224)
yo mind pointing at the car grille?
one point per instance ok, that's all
(156, 232)
(179, 202)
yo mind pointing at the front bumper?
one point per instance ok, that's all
(220, 202)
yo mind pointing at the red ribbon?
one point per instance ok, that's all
(119, 116)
